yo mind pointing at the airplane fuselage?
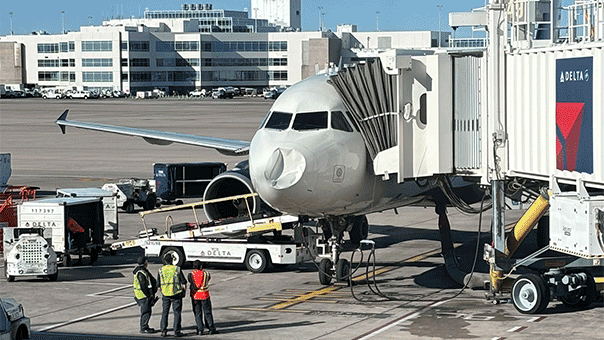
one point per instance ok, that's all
(308, 158)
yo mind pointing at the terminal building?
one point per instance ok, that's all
(192, 48)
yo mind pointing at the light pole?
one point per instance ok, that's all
(63, 15)
(256, 18)
(89, 18)
(320, 9)
(322, 21)
(439, 8)
(11, 23)
(377, 26)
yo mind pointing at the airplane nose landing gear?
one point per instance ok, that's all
(333, 233)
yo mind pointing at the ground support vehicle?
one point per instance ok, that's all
(568, 267)
(133, 191)
(53, 214)
(198, 93)
(28, 253)
(14, 325)
(184, 180)
(52, 94)
(78, 94)
(109, 199)
(241, 240)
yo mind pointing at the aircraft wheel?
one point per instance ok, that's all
(177, 253)
(530, 295)
(256, 261)
(342, 270)
(325, 272)
(359, 230)
(66, 260)
(586, 297)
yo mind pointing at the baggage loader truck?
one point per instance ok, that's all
(238, 240)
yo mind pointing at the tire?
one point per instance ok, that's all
(530, 294)
(66, 260)
(150, 202)
(177, 253)
(256, 261)
(325, 272)
(343, 270)
(94, 255)
(9, 278)
(359, 230)
(53, 277)
(129, 207)
(587, 297)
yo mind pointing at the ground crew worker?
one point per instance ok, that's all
(145, 287)
(79, 237)
(200, 298)
(173, 285)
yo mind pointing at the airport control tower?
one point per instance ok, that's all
(284, 13)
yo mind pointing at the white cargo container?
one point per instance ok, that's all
(109, 206)
(54, 214)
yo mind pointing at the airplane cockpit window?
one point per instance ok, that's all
(279, 120)
(338, 122)
(310, 121)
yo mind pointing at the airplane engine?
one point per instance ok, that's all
(232, 183)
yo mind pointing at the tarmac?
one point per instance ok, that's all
(410, 296)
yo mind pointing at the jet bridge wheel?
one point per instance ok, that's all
(256, 260)
(530, 294)
(325, 271)
(585, 296)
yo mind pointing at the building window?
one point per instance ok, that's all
(48, 76)
(71, 46)
(64, 47)
(72, 76)
(140, 77)
(97, 62)
(124, 76)
(97, 46)
(139, 62)
(97, 77)
(277, 75)
(139, 46)
(64, 76)
(71, 62)
(125, 62)
(164, 46)
(124, 46)
(48, 48)
(48, 62)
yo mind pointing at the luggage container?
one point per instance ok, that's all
(109, 206)
(184, 180)
(54, 214)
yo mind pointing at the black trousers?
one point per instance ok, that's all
(145, 304)
(176, 302)
(203, 307)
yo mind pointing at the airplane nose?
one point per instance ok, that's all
(284, 168)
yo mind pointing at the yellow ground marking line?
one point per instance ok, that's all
(330, 290)
(599, 279)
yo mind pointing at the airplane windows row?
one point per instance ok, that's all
(307, 121)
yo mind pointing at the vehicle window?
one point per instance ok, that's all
(279, 120)
(338, 122)
(310, 121)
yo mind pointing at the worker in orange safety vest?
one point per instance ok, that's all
(78, 234)
(200, 298)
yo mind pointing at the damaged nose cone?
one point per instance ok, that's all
(284, 168)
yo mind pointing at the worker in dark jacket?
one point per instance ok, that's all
(199, 280)
(145, 287)
(173, 286)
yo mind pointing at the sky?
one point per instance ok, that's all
(394, 15)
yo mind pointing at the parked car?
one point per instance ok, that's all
(52, 94)
(198, 93)
(273, 93)
(78, 94)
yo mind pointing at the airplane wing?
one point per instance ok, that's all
(224, 146)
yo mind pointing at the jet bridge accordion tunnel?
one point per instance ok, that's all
(402, 105)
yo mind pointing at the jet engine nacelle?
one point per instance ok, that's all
(232, 183)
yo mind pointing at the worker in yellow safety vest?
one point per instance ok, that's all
(145, 287)
(200, 298)
(173, 285)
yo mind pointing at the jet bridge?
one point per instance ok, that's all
(402, 103)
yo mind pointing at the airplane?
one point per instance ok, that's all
(308, 158)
